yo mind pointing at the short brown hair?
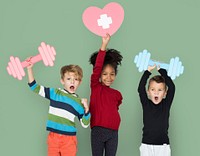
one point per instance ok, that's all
(72, 68)
(158, 79)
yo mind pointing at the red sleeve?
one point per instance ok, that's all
(97, 68)
(120, 98)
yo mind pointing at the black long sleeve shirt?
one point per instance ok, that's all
(156, 116)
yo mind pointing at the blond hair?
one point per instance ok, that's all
(77, 70)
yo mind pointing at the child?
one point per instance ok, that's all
(64, 106)
(104, 101)
(156, 110)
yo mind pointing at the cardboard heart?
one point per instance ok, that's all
(102, 21)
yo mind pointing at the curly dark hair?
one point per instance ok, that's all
(113, 58)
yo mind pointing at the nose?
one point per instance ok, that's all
(72, 81)
(108, 77)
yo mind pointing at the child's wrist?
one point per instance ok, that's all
(103, 46)
(86, 110)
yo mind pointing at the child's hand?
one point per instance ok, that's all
(85, 104)
(30, 70)
(158, 67)
(105, 41)
(150, 68)
(30, 64)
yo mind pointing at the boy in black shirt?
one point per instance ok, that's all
(156, 103)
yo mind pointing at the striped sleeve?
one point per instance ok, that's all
(40, 90)
(85, 120)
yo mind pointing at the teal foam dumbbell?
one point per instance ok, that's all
(174, 68)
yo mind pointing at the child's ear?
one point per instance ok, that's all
(165, 93)
(147, 92)
(61, 81)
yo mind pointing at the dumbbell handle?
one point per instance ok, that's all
(162, 65)
(33, 59)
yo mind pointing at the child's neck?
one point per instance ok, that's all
(69, 92)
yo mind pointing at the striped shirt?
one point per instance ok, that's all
(63, 109)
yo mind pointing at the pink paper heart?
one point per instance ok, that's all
(102, 21)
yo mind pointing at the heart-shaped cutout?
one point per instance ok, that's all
(102, 21)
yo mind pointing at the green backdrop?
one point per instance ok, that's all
(166, 28)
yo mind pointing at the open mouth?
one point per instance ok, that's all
(156, 98)
(72, 87)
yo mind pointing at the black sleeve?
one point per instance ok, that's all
(170, 84)
(142, 87)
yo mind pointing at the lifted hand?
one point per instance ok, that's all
(85, 104)
(150, 68)
(105, 41)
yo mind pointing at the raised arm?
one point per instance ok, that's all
(142, 84)
(99, 61)
(105, 41)
(142, 87)
(30, 71)
(170, 85)
(38, 89)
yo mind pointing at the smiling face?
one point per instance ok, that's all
(156, 91)
(70, 81)
(108, 75)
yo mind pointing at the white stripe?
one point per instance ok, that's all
(41, 92)
(61, 113)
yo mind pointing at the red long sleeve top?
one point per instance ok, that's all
(104, 101)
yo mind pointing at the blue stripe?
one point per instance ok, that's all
(64, 106)
(87, 116)
(60, 132)
(33, 86)
(67, 100)
(60, 127)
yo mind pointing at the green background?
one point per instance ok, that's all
(166, 28)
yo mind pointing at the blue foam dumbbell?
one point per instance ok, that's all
(174, 68)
